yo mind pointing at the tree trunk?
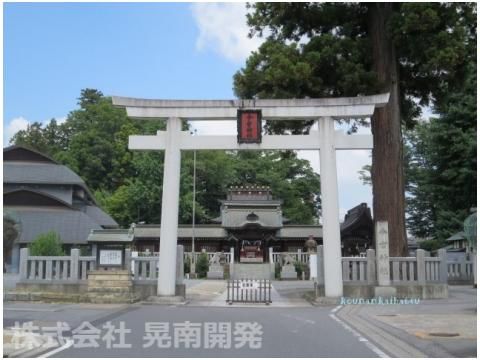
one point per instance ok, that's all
(387, 162)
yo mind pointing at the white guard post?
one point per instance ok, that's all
(326, 140)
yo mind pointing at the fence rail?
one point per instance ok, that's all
(302, 257)
(460, 271)
(188, 255)
(420, 269)
(249, 291)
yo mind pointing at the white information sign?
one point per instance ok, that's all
(110, 257)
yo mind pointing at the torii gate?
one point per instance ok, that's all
(326, 140)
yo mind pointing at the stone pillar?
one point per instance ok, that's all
(331, 223)
(383, 261)
(180, 273)
(421, 267)
(94, 249)
(474, 268)
(128, 260)
(443, 268)
(371, 278)
(170, 201)
(74, 255)
(232, 255)
(383, 257)
(320, 266)
(24, 263)
(15, 258)
(270, 255)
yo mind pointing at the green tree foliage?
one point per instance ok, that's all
(10, 233)
(441, 165)
(415, 51)
(48, 244)
(93, 141)
(201, 266)
(431, 244)
(325, 49)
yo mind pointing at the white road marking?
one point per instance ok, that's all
(65, 346)
(31, 309)
(308, 321)
(336, 309)
(360, 338)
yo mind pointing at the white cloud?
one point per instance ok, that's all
(61, 119)
(15, 125)
(223, 29)
(21, 123)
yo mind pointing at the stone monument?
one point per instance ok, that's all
(384, 287)
(215, 268)
(288, 268)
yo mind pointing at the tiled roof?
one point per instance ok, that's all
(73, 226)
(39, 173)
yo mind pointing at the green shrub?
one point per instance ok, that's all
(278, 269)
(201, 267)
(186, 265)
(48, 244)
(301, 267)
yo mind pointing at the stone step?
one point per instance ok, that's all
(110, 289)
(109, 283)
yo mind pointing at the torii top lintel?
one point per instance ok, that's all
(272, 109)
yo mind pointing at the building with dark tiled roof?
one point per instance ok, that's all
(43, 195)
(249, 216)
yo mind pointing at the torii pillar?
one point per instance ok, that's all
(170, 203)
(330, 214)
(326, 140)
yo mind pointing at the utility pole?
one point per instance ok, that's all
(192, 263)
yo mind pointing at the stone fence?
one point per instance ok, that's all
(420, 269)
(74, 268)
(460, 272)
(228, 256)
(299, 256)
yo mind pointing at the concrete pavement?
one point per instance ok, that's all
(433, 328)
(291, 326)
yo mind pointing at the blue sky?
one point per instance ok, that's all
(150, 50)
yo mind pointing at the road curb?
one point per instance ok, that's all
(391, 344)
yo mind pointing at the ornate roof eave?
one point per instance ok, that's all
(252, 224)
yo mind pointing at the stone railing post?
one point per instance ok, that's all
(421, 267)
(24, 253)
(443, 268)
(128, 260)
(180, 275)
(74, 259)
(299, 255)
(474, 268)
(371, 271)
(270, 255)
(320, 272)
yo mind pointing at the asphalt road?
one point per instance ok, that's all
(286, 332)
